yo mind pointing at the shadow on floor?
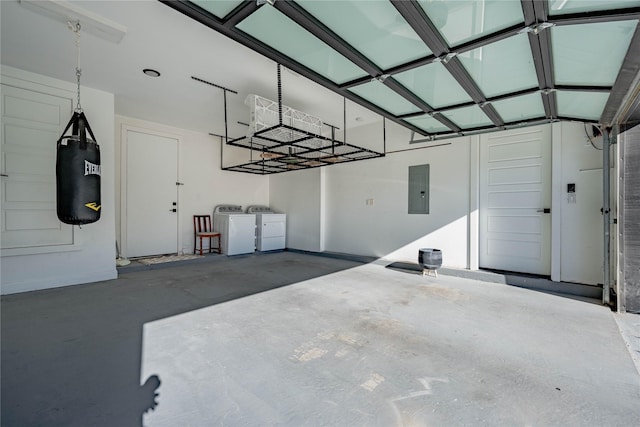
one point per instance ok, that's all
(71, 356)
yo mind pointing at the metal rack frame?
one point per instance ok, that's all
(284, 148)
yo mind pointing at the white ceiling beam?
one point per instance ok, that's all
(65, 11)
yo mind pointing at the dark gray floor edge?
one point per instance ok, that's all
(523, 281)
(137, 266)
(535, 283)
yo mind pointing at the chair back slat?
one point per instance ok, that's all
(201, 223)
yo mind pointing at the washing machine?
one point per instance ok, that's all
(237, 229)
(271, 228)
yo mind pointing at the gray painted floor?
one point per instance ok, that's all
(345, 344)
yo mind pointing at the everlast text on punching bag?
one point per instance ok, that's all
(78, 174)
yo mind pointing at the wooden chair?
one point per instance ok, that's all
(201, 230)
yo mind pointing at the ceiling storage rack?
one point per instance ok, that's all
(287, 139)
(284, 148)
(444, 68)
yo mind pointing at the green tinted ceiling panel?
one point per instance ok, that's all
(520, 107)
(590, 54)
(219, 8)
(379, 94)
(468, 117)
(373, 27)
(561, 7)
(434, 85)
(581, 105)
(502, 67)
(587, 50)
(463, 20)
(427, 123)
(276, 30)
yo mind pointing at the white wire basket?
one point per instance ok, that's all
(264, 114)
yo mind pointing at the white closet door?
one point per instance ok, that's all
(31, 125)
(152, 173)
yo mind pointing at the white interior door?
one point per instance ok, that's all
(585, 264)
(31, 124)
(515, 190)
(152, 195)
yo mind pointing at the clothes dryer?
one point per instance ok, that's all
(271, 228)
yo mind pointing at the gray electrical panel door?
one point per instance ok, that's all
(419, 189)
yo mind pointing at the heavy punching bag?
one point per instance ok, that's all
(78, 173)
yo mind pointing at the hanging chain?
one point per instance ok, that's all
(279, 96)
(76, 29)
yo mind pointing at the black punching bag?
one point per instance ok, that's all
(78, 174)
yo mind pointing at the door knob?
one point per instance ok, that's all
(545, 210)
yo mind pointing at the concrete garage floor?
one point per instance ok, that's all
(345, 344)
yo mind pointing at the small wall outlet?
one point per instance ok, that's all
(369, 202)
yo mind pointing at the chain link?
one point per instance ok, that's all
(76, 29)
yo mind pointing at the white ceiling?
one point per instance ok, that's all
(161, 38)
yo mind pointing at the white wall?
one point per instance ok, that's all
(326, 206)
(206, 185)
(299, 194)
(580, 259)
(385, 229)
(92, 257)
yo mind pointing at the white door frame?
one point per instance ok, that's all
(550, 165)
(473, 218)
(473, 258)
(122, 241)
(557, 192)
